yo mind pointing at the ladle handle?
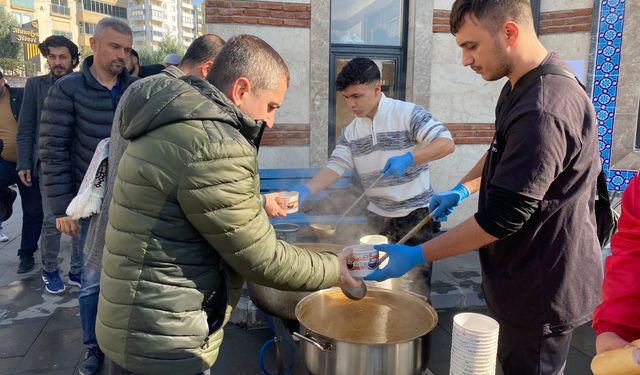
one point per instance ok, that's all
(410, 235)
(415, 229)
(358, 200)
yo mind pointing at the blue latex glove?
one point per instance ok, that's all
(303, 193)
(397, 165)
(444, 203)
(402, 259)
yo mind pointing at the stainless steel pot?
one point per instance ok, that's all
(283, 303)
(380, 334)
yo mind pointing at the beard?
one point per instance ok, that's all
(117, 66)
(503, 65)
(55, 70)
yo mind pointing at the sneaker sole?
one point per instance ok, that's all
(53, 291)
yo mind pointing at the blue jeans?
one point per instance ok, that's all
(88, 295)
(31, 207)
(50, 241)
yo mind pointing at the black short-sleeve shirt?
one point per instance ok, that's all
(547, 276)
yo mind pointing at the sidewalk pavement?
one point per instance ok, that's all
(40, 333)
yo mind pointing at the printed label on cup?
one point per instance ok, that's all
(290, 200)
(363, 260)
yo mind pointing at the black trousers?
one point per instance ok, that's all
(529, 354)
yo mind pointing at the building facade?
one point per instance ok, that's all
(420, 62)
(153, 20)
(74, 19)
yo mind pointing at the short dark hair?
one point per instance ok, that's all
(202, 49)
(251, 57)
(59, 41)
(1, 75)
(134, 53)
(358, 71)
(493, 12)
(119, 25)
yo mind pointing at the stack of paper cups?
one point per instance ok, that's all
(474, 345)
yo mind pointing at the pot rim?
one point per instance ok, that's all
(408, 295)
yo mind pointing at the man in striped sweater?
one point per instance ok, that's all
(390, 137)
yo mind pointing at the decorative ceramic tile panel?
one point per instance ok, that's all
(605, 88)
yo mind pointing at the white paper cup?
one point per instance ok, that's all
(290, 200)
(374, 239)
(363, 260)
(475, 324)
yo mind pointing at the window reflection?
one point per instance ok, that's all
(372, 22)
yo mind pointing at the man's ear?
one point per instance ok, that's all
(93, 42)
(377, 88)
(512, 33)
(205, 68)
(239, 90)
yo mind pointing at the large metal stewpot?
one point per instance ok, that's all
(283, 303)
(380, 334)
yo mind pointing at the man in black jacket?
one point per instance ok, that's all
(10, 102)
(77, 115)
(62, 58)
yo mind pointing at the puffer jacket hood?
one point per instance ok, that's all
(162, 102)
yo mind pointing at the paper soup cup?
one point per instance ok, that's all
(363, 260)
(290, 200)
(475, 324)
(374, 239)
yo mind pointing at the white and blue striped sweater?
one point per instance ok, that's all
(366, 145)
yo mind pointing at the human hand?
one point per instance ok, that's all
(303, 193)
(274, 205)
(345, 280)
(25, 176)
(402, 259)
(67, 225)
(609, 341)
(397, 165)
(442, 204)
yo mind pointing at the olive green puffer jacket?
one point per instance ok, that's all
(185, 226)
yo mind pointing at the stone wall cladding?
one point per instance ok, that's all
(566, 21)
(258, 13)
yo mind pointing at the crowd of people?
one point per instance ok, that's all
(152, 171)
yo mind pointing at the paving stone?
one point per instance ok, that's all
(54, 350)
(16, 339)
(8, 365)
(64, 318)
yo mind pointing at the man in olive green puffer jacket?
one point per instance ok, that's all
(186, 223)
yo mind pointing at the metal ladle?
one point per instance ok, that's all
(326, 230)
(360, 292)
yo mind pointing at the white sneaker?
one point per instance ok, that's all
(3, 238)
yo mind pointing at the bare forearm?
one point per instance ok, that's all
(437, 149)
(461, 239)
(322, 180)
(473, 178)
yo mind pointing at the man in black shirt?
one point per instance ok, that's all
(535, 225)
